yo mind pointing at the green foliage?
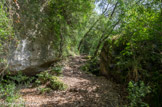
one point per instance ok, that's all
(50, 81)
(8, 92)
(137, 91)
(20, 78)
(44, 90)
(5, 26)
(133, 49)
(56, 84)
(142, 40)
(66, 20)
(57, 70)
(43, 77)
(92, 66)
(9, 88)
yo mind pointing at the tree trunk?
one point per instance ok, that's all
(103, 39)
(61, 45)
(86, 34)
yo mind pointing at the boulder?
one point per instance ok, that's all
(34, 49)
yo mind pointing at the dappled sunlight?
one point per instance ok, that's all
(84, 89)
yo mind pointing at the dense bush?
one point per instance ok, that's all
(135, 54)
(137, 91)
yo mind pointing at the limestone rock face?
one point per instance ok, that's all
(30, 56)
(35, 49)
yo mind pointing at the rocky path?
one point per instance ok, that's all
(84, 90)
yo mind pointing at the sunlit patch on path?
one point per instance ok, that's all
(84, 90)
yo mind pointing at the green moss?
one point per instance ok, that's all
(56, 84)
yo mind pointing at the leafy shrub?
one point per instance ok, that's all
(8, 92)
(20, 78)
(57, 70)
(137, 91)
(5, 28)
(44, 90)
(10, 95)
(56, 84)
(50, 81)
(9, 88)
(5, 31)
(92, 66)
(43, 77)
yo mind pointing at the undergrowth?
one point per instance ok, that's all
(136, 92)
(9, 89)
(92, 66)
(50, 80)
(10, 85)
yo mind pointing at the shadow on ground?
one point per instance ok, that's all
(84, 89)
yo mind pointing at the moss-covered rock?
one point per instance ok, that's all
(36, 47)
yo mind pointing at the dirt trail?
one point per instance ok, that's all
(84, 90)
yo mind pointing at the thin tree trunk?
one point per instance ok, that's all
(62, 31)
(61, 45)
(113, 10)
(161, 8)
(97, 49)
(111, 30)
(103, 39)
(86, 34)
